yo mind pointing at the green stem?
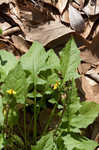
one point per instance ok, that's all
(68, 116)
(68, 102)
(35, 118)
(25, 136)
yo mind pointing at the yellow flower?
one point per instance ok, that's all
(56, 85)
(11, 92)
(4, 112)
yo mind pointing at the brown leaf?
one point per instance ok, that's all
(78, 3)
(94, 46)
(3, 24)
(90, 53)
(46, 33)
(76, 20)
(91, 89)
(84, 67)
(5, 1)
(92, 9)
(65, 17)
(88, 28)
(61, 4)
(20, 43)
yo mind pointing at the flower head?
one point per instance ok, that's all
(56, 85)
(11, 92)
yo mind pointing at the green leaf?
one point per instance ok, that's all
(52, 101)
(53, 60)
(1, 31)
(34, 59)
(86, 115)
(1, 112)
(2, 141)
(2, 75)
(45, 143)
(12, 117)
(60, 144)
(15, 142)
(72, 102)
(69, 60)
(16, 80)
(32, 95)
(7, 62)
(73, 141)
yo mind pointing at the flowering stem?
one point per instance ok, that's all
(35, 117)
(25, 136)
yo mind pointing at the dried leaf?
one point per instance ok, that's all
(91, 89)
(65, 17)
(88, 29)
(20, 43)
(46, 33)
(3, 24)
(76, 20)
(83, 68)
(92, 9)
(61, 4)
(5, 1)
(80, 2)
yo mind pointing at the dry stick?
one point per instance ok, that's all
(11, 31)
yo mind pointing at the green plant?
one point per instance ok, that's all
(43, 78)
(1, 31)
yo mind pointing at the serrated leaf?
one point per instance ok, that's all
(77, 142)
(69, 60)
(87, 114)
(7, 62)
(45, 143)
(16, 80)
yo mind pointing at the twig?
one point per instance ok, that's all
(11, 31)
